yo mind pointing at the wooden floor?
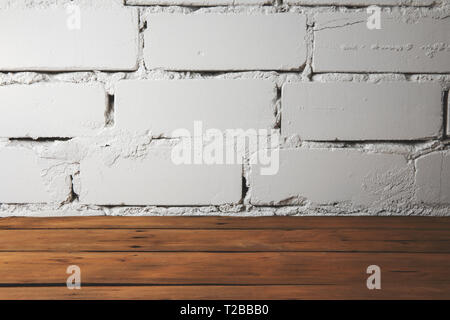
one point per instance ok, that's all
(225, 258)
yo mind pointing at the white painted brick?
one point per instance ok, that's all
(51, 110)
(362, 2)
(225, 41)
(22, 178)
(344, 43)
(156, 180)
(164, 106)
(361, 111)
(433, 178)
(39, 39)
(198, 2)
(328, 176)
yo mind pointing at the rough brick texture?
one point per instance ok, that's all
(156, 180)
(433, 177)
(329, 176)
(225, 42)
(52, 110)
(44, 39)
(198, 2)
(23, 178)
(362, 111)
(164, 106)
(298, 107)
(403, 44)
(363, 3)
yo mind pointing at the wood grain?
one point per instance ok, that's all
(195, 240)
(309, 268)
(195, 292)
(202, 222)
(224, 257)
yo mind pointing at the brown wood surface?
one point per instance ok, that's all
(237, 240)
(198, 222)
(224, 257)
(198, 292)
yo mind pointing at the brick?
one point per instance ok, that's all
(21, 177)
(361, 111)
(164, 106)
(343, 43)
(51, 110)
(40, 39)
(362, 3)
(211, 42)
(156, 180)
(198, 2)
(327, 176)
(433, 178)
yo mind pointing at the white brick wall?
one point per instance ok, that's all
(91, 108)
(329, 176)
(164, 106)
(362, 2)
(362, 111)
(52, 110)
(198, 2)
(433, 177)
(156, 180)
(344, 43)
(225, 41)
(22, 178)
(40, 39)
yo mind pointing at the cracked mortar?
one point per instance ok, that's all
(60, 160)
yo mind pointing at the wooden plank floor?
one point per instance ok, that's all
(225, 258)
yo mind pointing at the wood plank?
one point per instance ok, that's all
(402, 270)
(288, 292)
(225, 257)
(298, 240)
(102, 222)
